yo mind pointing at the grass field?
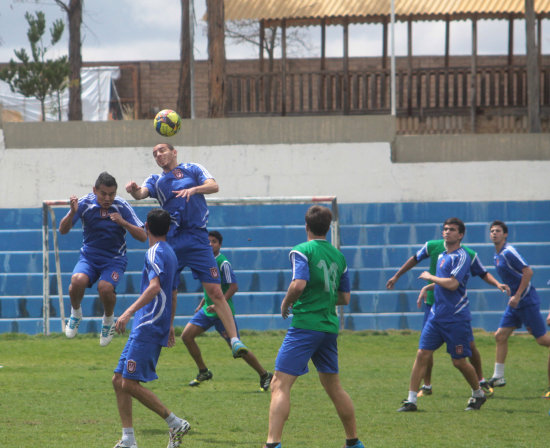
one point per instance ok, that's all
(56, 392)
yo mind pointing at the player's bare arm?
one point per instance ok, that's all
(343, 298)
(422, 296)
(137, 232)
(295, 290)
(527, 274)
(66, 223)
(136, 191)
(409, 264)
(449, 283)
(172, 333)
(494, 282)
(208, 187)
(146, 296)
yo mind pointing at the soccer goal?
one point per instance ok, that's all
(49, 228)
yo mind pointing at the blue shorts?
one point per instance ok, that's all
(201, 319)
(528, 316)
(108, 269)
(138, 360)
(457, 336)
(193, 250)
(301, 345)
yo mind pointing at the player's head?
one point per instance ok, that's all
(453, 230)
(498, 231)
(318, 219)
(166, 156)
(105, 189)
(158, 222)
(216, 240)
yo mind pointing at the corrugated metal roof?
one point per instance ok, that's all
(304, 11)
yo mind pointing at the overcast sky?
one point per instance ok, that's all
(128, 30)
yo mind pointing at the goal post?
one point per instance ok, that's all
(49, 223)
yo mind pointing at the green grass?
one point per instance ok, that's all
(56, 392)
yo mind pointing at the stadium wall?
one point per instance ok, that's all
(359, 159)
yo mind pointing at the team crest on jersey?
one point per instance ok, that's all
(115, 276)
(497, 261)
(103, 213)
(131, 366)
(178, 174)
(214, 272)
(442, 262)
(459, 349)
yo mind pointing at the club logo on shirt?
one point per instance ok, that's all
(214, 272)
(497, 261)
(442, 262)
(131, 366)
(103, 213)
(178, 174)
(459, 349)
(115, 276)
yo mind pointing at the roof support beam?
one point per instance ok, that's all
(473, 78)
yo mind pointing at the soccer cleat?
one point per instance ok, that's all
(408, 406)
(278, 446)
(238, 349)
(357, 444)
(71, 328)
(107, 333)
(425, 390)
(121, 444)
(487, 389)
(497, 382)
(176, 434)
(265, 381)
(201, 376)
(475, 403)
(546, 393)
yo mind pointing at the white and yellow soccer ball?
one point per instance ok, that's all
(167, 123)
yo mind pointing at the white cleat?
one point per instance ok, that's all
(176, 434)
(71, 328)
(107, 333)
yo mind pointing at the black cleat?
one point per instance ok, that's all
(201, 377)
(265, 381)
(408, 406)
(497, 382)
(475, 403)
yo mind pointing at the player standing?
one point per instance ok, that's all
(524, 304)
(180, 190)
(449, 318)
(206, 317)
(152, 329)
(432, 249)
(105, 219)
(319, 282)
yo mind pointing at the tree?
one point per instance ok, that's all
(216, 58)
(533, 72)
(186, 58)
(250, 32)
(73, 8)
(39, 77)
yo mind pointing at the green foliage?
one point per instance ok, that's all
(57, 392)
(34, 75)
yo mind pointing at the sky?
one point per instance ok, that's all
(130, 30)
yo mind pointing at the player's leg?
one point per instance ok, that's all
(342, 402)
(501, 339)
(265, 376)
(279, 408)
(426, 388)
(196, 326)
(111, 275)
(533, 320)
(84, 275)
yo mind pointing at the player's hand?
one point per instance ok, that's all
(116, 217)
(285, 310)
(391, 283)
(514, 301)
(548, 320)
(184, 193)
(132, 187)
(504, 288)
(171, 337)
(120, 326)
(73, 203)
(421, 297)
(425, 276)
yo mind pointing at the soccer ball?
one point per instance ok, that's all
(167, 123)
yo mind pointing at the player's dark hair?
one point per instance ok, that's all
(501, 224)
(216, 235)
(106, 179)
(457, 222)
(158, 222)
(318, 219)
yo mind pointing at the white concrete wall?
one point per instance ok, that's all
(355, 172)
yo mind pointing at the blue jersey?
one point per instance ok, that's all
(452, 306)
(509, 264)
(185, 214)
(152, 322)
(103, 237)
